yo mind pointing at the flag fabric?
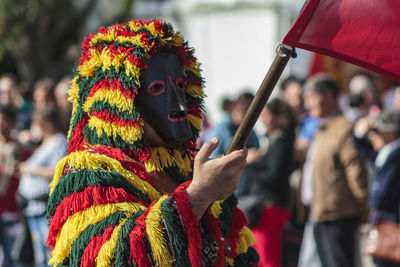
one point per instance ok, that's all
(363, 32)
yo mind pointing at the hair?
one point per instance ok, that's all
(244, 100)
(322, 83)
(285, 114)
(388, 121)
(9, 113)
(48, 114)
(289, 80)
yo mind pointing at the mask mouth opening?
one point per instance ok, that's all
(177, 115)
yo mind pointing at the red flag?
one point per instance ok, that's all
(362, 32)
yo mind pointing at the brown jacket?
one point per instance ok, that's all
(340, 185)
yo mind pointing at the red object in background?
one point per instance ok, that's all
(363, 32)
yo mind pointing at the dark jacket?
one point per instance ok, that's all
(269, 177)
(384, 193)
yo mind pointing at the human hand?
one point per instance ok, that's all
(214, 179)
(362, 127)
(253, 155)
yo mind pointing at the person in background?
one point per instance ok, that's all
(36, 173)
(64, 107)
(10, 219)
(363, 98)
(291, 88)
(339, 187)
(10, 95)
(378, 140)
(391, 98)
(266, 179)
(226, 129)
(43, 94)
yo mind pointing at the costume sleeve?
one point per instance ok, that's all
(107, 213)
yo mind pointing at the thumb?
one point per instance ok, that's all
(206, 150)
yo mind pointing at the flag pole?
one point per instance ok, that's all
(283, 54)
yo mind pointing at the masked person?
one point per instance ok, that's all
(129, 192)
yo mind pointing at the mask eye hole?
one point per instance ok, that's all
(156, 87)
(181, 84)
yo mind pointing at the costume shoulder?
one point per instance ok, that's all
(105, 211)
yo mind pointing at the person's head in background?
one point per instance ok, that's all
(363, 95)
(61, 94)
(396, 96)
(226, 105)
(9, 91)
(291, 88)
(320, 95)
(43, 94)
(7, 123)
(45, 123)
(278, 115)
(384, 128)
(240, 106)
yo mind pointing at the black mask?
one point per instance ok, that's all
(162, 99)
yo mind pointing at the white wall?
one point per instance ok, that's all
(235, 48)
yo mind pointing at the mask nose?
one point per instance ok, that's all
(176, 100)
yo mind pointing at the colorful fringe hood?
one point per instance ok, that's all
(103, 208)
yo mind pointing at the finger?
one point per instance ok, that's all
(207, 149)
(236, 156)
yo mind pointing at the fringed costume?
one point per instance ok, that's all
(104, 208)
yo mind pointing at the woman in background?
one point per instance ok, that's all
(266, 182)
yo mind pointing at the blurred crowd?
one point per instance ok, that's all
(325, 169)
(32, 140)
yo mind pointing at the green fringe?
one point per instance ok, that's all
(76, 181)
(131, 115)
(176, 232)
(122, 255)
(79, 245)
(226, 215)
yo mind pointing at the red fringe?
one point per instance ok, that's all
(77, 135)
(137, 241)
(190, 224)
(127, 163)
(213, 225)
(94, 246)
(112, 85)
(79, 201)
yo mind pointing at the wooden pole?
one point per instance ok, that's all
(267, 86)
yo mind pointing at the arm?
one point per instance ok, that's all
(354, 168)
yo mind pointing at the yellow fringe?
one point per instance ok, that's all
(57, 174)
(245, 240)
(113, 97)
(129, 134)
(195, 91)
(84, 160)
(162, 157)
(73, 93)
(79, 221)
(88, 67)
(193, 67)
(155, 234)
(153, 30)
(229, 261)
(195, 121)
(108, 249)
(216, 208)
